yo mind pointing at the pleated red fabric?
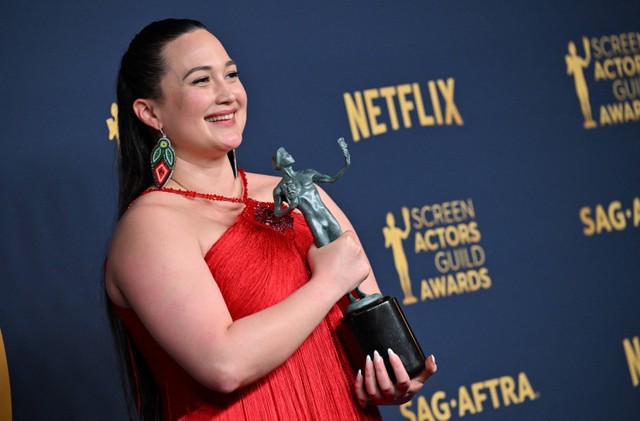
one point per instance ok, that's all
(258, 262)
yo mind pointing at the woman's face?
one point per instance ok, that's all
(203, 108)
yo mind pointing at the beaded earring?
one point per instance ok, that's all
(163, 158)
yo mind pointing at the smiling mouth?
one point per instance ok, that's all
(220, 117)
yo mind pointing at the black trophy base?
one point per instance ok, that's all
(378, 326)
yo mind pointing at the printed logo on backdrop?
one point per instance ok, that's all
(606, 76)
(446, 234)
(614, 216)
(479, 397)
(373, 111)
(632, 352)
(112, 124)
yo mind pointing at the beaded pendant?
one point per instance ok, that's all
(163, 159)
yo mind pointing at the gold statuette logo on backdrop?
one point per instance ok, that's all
(393, 237)
(611, 62)
(448, 233)
(112, 124)
(576, 66)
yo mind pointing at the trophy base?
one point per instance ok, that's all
(378, 326)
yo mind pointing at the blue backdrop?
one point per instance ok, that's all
(510, 132)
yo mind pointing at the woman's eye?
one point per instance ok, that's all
(203, 79)
(233, 75)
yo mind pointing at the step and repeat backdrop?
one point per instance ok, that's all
(495, 184)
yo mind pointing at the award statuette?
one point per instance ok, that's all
(371, 322)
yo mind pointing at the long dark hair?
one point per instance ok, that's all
(141, 70)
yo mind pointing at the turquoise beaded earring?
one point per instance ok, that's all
(163, 158)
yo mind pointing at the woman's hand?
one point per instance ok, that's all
(340, 265)
(376, 388)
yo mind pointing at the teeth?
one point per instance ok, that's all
(220, 117)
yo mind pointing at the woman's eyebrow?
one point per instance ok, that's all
(207, 68)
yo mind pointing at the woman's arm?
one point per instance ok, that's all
(156, 267)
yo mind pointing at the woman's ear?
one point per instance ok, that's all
(144, 109)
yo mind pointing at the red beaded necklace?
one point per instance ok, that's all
(215, 197)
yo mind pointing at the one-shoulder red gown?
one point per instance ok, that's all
(256, 263)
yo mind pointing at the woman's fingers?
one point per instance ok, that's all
(385, 384)
(361, 394)
(370, 381)
(375, 386)
(403, 381)
(430, 368)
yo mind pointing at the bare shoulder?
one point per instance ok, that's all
(155, 221)
(153, 212)
(148, 229)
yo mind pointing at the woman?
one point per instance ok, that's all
(220, 309)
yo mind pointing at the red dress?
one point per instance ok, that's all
(256, 263)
